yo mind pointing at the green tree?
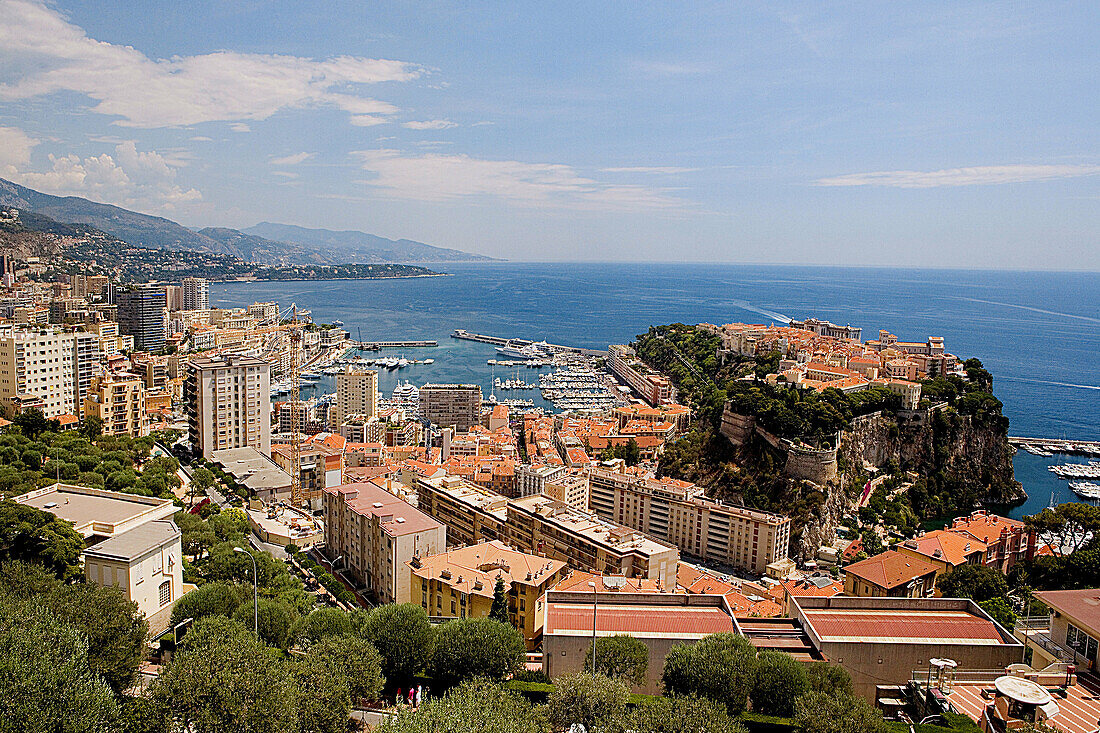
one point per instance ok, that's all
(32, 423)
(499, 610)
(46, 683)
(114, 627)
(592, 700)
(471, 647)
(819, 712)
(319, 624)
(324, 697)
(202, 480)
(198, 537)
(356, 659)
(30, 535)
(622, 657)
(211, 599)
(1001, 611)
(92, 427)
(141, 715)
(477, 705)
(682, 715)
(779, 680)
(404, 638)
(275, 620)
(719, 667)
(828, 678)
(973, 581)
(1072, 525)
(223, 681)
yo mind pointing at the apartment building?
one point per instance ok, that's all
(891, 574)
(460, 583)
(570, 489)
(371, 535)
(143, 314)
(472, 513)
(228, 403)
(586, 542)
(119, 401)
(678, 513)
(356, 394)
(531, 480)
(196, 294)
(266, 313)
(47, 367)
(653, 388)
(455, 406)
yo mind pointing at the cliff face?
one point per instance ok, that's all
(958, 448)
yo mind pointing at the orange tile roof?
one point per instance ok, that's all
(953, 548)
(890, 569)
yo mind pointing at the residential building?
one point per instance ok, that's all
(472, 513)
(456, 406)
(531, 480)
(143, 314)
(371, 535)
(228, 403)
(196, 294)
(146, 563)
(97, 513)
(118, 399)
(47, 366)
(892, 574)
(1070, 634)
(356, 394)
(569, 489)
(546, 526)
(653, 388)
(678, 512)
(944, 549)
(1007, 541)
(460, 583)
(659, 620)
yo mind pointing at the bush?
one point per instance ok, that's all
(828, 678)
(212, 599)
(403, 636)
(778, 681)
(319, 624)
(818, 712)
(592, 700)
(472, 647)
(719, 667)
(620, 656)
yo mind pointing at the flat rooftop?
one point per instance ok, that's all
(902, 626)
(396, 517)
(138, 541)
(95, 511)
(1078, 711)
(640, 621)
(590, 526)
(252, 468)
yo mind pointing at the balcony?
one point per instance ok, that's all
(1036, 632)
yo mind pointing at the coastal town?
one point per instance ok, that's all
(567, 525)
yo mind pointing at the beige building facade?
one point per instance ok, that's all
(228, 403)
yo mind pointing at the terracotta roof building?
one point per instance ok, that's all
(891, 573)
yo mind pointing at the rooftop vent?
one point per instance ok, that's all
(400, 520)
(51, 505)
(377, 505)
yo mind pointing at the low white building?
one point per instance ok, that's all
(146, 563)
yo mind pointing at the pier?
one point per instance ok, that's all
(460, 333)
(375, 345)
(1057, 445)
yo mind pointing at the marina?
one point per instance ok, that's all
(461, 333)
(1051, 446)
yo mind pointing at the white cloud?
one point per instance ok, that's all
(294, 159)
(649, 169)
(429, 124)
(240, 127)
(201, 139)
(438, 177)
(128, 177)
(367, 120)
(284, 174)
(973, 176)
(15, 150)
(43, 53)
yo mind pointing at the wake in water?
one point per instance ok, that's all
(753, 309)
(1028, 308)
(1044, 381)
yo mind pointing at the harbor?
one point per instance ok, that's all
(1051, 446)
(461, 333)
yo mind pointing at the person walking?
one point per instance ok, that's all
(419, 694)
(398, 699)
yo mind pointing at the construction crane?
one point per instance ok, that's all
(294, 336)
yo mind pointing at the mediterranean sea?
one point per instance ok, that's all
(1037, 332)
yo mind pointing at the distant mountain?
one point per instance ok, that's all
(129, 226)
(355, 246)
(300, 247)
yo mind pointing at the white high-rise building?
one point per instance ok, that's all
(47, 368)
(356, 394)
(196, 294)
(228, 403)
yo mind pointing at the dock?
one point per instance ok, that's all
(461, 333)
(375, 345)
(1057, 445)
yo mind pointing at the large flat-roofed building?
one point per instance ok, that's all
(882, 641)
(228, 403)
(356, 394)
(455, 406)
(261, 475)
(375, 534)
(472, 513)
(678, 513)
(119, 401)
(547, 526)
(653, 388)
(98, 512)
(195, 294)
(659, 620)
(531, 480)
(146, 563)
(460, 583)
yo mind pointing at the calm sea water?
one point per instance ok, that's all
(1038, 332)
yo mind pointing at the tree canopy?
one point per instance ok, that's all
(620, 656)
(470, 647)
(720, 667)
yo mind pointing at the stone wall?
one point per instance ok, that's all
(811, 464)
(737, 428)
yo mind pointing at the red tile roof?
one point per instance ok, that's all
(637, 620)
(890, 569)
(900, 626)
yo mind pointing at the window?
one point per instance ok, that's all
(165, 592)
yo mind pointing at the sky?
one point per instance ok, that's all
(953, 134)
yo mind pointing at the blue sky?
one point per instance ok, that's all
(938, 134)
